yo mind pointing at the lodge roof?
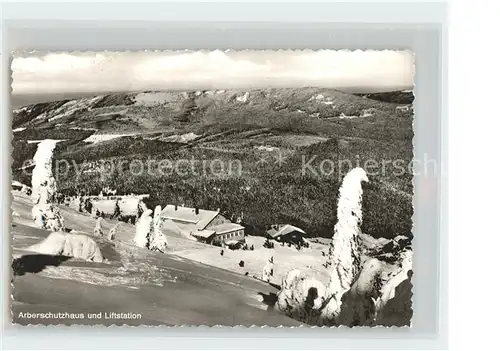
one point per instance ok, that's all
(284, 230)
(203, 233)
(226, 228)
(188, 215)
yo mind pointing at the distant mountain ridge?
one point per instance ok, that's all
(149, 110)
(396, 97)
(233, 125)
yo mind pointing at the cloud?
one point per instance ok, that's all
(127, 71)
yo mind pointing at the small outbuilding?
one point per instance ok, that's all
(286, 233)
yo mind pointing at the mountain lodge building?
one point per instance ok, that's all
(206, 226)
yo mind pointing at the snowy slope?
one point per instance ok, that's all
(164, 288)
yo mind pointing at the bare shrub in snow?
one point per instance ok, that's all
(38, 217)
(72, 245)
(301, 297)
(143, 229)
(117, 210)
(27, 190)
(344, 252)
(44, 189)
(268, 244)
(107, 191)
(157, 241)
(80, 203)
(113, 231)
(141, 208)
(98, 227)
(268, 271)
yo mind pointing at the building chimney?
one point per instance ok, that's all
(196, 211)
(176, 207)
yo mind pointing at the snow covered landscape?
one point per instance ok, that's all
(234, 206)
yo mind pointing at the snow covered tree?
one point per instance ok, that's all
(113, 231)
(148, 230)
(268, 270)
(73, 245)
(388, 289)
(143, 229)
(157, 241)
(43, 182)
(94, 212)
(344, 256)
(44, 189)
(98, 227)
(301, 297)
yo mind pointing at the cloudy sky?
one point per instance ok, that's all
(47, 73)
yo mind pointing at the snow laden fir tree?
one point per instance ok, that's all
(143, 229)
(45, 214)
(98, 227)
(306, 298)
(113, 231)
(158, 241)
(148, 230)
(344, 256)
(268, 270)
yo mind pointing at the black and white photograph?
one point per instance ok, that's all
(213, 188)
